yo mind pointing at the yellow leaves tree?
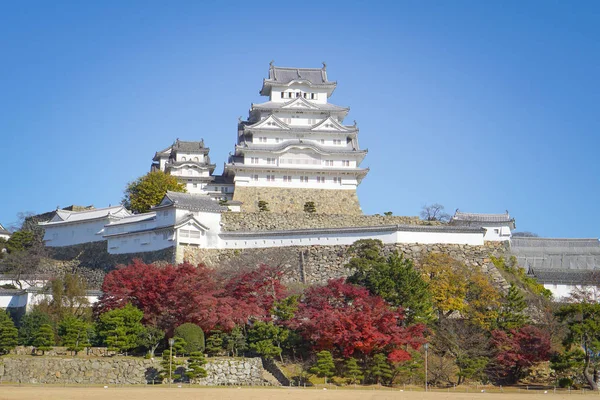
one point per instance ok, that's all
(457, 288)
(148, 190)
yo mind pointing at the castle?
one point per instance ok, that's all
(294, 151)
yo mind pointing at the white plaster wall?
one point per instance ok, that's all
(140, 242)
(246, 179)
(276, 93)
(74, 233)
(561, 292)
(13, 301)
(497, 233)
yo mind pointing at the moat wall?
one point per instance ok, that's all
(121, 370)
(292, 200)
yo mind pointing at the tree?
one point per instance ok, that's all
(235, 341)
(74, 333)
(309, 207)
(259, 288)
(172, 295)
(348, 319)
(517, 350)
(8, 333)
(266, 339)
(434, 212)
(30, 324)
(44, 339)
(170, 364)
(150, 337)
(148, 190)
(20, 241)
(193, 336)
(68, 298)
(119, 328)
(194, 367)
(25, 252)
(511, 314)
(263, 205)
(583, 323)
(394, 279)
(324, 367)
(214, 343)
(388, 213)
(524, 234)
(352, 371)
(379, 369)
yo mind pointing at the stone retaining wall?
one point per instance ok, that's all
(267, 221)
(317, 264)
(121, 370)
(292, 200)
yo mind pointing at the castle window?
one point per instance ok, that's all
(346, 163)
(196, 159)
(320, 179)
(304, 94)
(282, 94)
(254, 160)
(270, 161)
(322, 141)
(304, 179)
(270, 178)
(262, 139)
(337, 180)
(313, 96)
(255, 178)
(183, 159)
(329, 163)
(297, 94)
(195, 185)
(337, 141)
(287, 178)
(277, 140)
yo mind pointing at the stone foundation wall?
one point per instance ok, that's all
(93, 260)
(317, 264)
(268, 220)
(121, 370)
(292, 200)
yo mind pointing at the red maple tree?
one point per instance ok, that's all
(349, 320)
(172, 295)
(260, 287)
(518, 349)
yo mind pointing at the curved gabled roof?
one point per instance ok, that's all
(285, 76)
(306, 106)
(298, 144)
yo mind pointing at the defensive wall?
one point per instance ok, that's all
(122, 370)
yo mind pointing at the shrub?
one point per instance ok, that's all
(193, 336)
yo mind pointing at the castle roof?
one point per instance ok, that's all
(64, 216)
(192, 202)
(309, 106)
(284, 76)
(298, 143)
(476, 219)
(3, 231)
(564, 276)
(183, 146)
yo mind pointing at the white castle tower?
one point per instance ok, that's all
(295, 149)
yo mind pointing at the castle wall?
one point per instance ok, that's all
(269, 221)
(292, 200)
(317, 264)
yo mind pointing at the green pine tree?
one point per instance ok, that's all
(120, 328)
(173, 364)
(214, 343)
(74, 333)
(511, 314)
(310, 207)
(235, 341)
(44, 339)
(194, 367)
(352, 371)
(379, 369)
(325, 367)
(8, 333)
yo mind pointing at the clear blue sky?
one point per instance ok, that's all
(479, 105)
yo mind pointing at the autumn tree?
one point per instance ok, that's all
(348, 319)
(172, 295)
(67, 298)
(324, 367)
(517, 350)
(148, 190)
(583, 322)
(393, 278)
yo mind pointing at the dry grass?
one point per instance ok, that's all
(175, 393)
